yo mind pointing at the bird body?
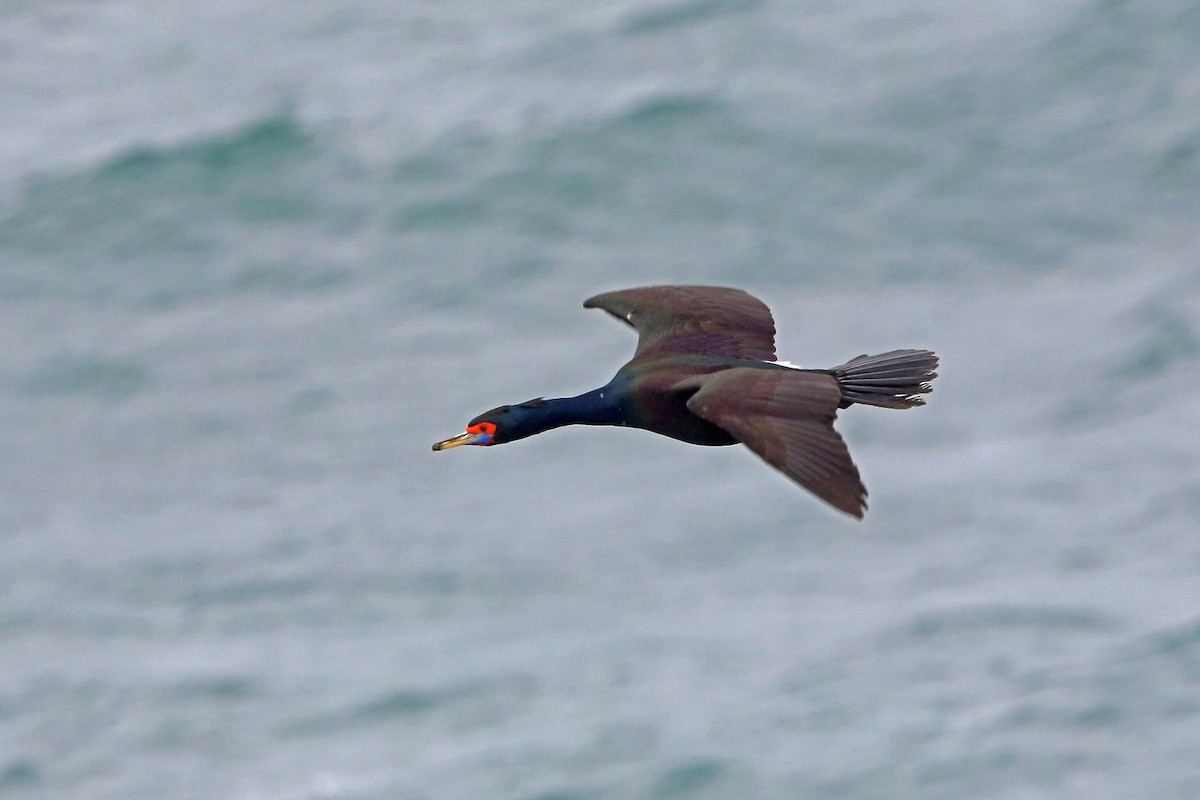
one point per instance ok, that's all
(704, 372)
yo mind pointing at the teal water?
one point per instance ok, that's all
(256, 258)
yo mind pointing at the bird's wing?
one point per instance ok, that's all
(786, 417)
(693, 320)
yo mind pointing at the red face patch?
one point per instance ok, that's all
(486, 428)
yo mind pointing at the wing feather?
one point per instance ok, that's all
(693, 320)
(786, 417)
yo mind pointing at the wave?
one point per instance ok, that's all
(270, 140)
(990, 617)
(671, 17)
(161, 224)
(251, 158)
(87, 375)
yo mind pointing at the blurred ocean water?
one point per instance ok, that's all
(255, 258)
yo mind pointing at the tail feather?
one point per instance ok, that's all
(896, 379)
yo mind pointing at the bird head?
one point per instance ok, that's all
(500, 425)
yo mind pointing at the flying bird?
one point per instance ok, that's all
(704, 372)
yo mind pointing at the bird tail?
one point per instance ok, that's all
(890, 380)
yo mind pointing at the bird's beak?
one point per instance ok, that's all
(461, 439)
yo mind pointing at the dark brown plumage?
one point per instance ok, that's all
(708, 320)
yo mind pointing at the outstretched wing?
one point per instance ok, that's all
(786, 417)
(685, 320)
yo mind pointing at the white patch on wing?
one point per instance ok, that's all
(787, 364)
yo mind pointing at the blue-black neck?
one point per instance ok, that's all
(598, 407)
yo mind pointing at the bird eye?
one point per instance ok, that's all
(482, 427)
